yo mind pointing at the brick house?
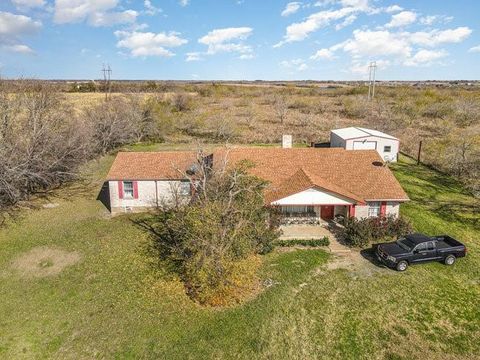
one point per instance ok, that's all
(303, 182)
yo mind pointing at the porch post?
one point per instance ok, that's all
(351, 210)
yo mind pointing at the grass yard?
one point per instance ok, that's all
(97, 294)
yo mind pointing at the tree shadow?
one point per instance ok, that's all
(157, 249)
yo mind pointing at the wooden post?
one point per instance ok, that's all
(419, 152)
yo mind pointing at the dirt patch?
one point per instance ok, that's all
(44, 261)
(356, 265)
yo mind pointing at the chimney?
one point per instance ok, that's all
(287, 141)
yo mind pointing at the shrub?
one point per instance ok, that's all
(361, 233)
(304, 242)
(181, 102)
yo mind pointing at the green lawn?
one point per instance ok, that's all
(114, 303)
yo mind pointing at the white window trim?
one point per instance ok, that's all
(128, 195)
(374, 208)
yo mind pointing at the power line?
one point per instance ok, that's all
(372, 70)
(107, 73)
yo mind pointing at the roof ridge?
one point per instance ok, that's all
(333, 187)
(363, 130)
(305, 172)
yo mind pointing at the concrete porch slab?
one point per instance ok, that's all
(308, 232)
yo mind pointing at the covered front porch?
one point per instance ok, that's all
(312, 214)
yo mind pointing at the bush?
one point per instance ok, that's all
(361, 233)
(303, 242)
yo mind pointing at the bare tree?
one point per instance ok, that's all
(281, 108)
(41, 145)
(111, 125)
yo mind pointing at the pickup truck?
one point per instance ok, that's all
(416, 248)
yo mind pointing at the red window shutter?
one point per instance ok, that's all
(352, 210)
(383, 208)
(120, 189)
(135, 189)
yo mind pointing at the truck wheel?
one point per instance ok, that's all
(402, 265)
(450, 259)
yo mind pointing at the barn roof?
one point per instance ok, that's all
(358, 132)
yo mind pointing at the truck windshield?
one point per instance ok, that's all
(406, 244)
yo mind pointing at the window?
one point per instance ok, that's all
(430, 245)
(185, 188)
(128, 189)
(373, 209)
(421, 247)
(387, 149)
(298, 210)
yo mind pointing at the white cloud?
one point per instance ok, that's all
(12, 25)
(322, 54)
(436, 37)
(28, 4)
(432, 19)
(227, 40)
(295, 64)
(375, 43)
(184, 2)
(246, 56)
(393, 8)
(111, 18)
(475, 49)
(425, 57)
(150, 9)
(219, 36)
(403, 18)
(291, 8)
(95, 12)
(19, 48)
(348, 21)
(301, 30)
(194, 56)
(143, 44)
(368, 43)
(400, 48)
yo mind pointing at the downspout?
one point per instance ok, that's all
(156, 192)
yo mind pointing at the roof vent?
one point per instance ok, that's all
(287, 141)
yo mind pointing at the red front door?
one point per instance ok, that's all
(326, 212)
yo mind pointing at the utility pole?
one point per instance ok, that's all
(107, 72)
(372, 69)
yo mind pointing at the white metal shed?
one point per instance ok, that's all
(357, 138)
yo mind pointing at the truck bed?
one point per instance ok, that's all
(445, 241)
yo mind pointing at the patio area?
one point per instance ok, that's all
(307, 232)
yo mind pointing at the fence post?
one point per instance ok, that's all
(419, 152)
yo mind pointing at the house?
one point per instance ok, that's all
(303, 182)
(357, 138)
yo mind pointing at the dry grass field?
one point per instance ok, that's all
(77, 284)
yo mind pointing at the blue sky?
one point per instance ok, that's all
(240, 39)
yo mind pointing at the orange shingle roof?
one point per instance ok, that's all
(354, 174)
(151, 165)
